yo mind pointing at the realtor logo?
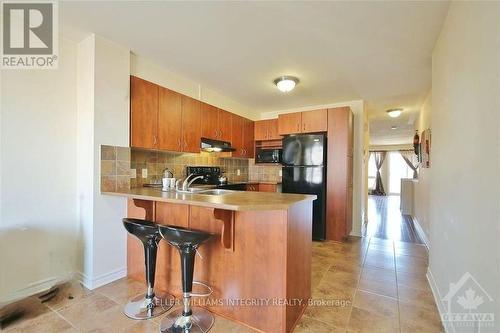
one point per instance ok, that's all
(468, 304)
(29, 35)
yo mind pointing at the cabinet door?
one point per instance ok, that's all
(237, 124)
(289, 123)
(169, 118)
(267, 187)
(272, 130)
(248, 138)
(143, 113)
(314, 121)
(209, 121)
(261, 130)
(191, 125)
(224, 125)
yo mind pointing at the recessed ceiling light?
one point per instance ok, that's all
(286, 83)
(394, 127)
(394, 113)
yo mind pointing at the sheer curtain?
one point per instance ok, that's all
(379, 161)
(410, 159)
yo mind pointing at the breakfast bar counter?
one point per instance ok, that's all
(258, 263)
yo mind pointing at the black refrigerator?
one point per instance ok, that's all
(304, 171)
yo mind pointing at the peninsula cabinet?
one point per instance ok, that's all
(340, 178)
(143, 113)
(216, 123)
(266, 130)
(303, 122)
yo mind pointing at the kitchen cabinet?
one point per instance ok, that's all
(303, 122)
(248, 138)
(266, 130)
(242, 136)
(340, 178)
(216, 123)
(191, 124)
(289, 123)
(169, 118)
(314, 121)
(144, 113)
(210, 121)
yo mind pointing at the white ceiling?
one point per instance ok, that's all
(376, 51)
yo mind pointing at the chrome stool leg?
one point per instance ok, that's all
(153, 303)
(188, 318)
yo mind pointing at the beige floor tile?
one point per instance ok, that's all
(415, 281)
(380, 305)
(142, 326)
(69, 293)
(419, 319)
(349, 266)
(48, 322)
(333, 290)
(336, 316)
(30, 308)
(85, 311)
(110, 320)
(379, 274)
(365, 321)
(122, 290)
(411, 250)
(341, 278)
(378, 287)
(417, 297)
(309, 325)
(380, 262)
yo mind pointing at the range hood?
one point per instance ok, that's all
(215, 146)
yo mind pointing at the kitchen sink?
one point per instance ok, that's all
(215, 192)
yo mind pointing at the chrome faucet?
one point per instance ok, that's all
(187, 182)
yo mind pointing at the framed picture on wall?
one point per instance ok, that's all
(425, 148)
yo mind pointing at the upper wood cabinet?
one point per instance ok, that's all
(210, 121)
(169, 120)
(225, 125)
(266, 130)
(289, 123)
(191, 124)
(243, 136)
(248, 138)
(216, 123)
(314, 121)
(303, 122)
(143, 113)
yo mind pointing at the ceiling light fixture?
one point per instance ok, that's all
(394, 113)
(394, 127)
(286, 83)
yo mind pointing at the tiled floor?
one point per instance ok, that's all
(366, 285)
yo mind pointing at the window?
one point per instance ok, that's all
(397, 169)
(372, 172)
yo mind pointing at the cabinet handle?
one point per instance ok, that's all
(298, 128)
(154, 140)
(179, 143)
(220, 133)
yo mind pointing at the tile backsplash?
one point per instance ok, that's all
(236, 169)
(121, 167)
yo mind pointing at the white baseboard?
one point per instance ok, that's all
(438, 299)
(421, 232)
(94, 283)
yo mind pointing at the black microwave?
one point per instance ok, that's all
(268, 155)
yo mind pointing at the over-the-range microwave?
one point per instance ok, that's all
(268, 155)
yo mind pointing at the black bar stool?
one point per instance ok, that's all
(187, 319)
(152, 304)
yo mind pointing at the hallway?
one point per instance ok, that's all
(386, 221)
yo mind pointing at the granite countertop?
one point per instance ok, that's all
(237, 200)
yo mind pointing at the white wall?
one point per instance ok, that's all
(359, 175)
(103, 109)
(421, 204)
(143, 68)
(38, 219)
(465, 180)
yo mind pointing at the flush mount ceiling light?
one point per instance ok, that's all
(286, 83)
(394, 113)
(393, 127)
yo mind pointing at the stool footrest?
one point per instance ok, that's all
(210, 290)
